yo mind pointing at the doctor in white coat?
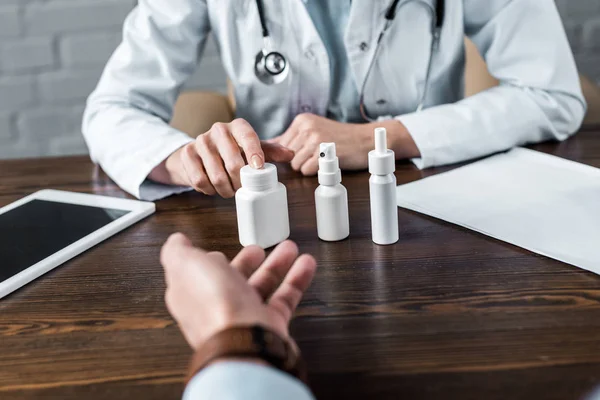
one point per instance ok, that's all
(310, 71)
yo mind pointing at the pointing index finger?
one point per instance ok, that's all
(248, 140)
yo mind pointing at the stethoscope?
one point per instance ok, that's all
(271, 66)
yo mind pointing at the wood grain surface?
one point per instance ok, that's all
(444, 313)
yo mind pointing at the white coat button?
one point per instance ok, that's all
(381, 102)
(305, 108)
(364, 46)
(309, 54)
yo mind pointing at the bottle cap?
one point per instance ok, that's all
(382, 160)
(329, 165)
(259, 180)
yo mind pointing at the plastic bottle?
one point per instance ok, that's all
(382, 185)
(331, 197)
(262, 207)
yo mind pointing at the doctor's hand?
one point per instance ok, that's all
(207, 293)
(353, 141)
(212, 163)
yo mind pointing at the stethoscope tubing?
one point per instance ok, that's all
(437, 15)
(436, 27)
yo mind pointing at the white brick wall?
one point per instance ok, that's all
(6, 129)
(63, 16)
(582, 23)
(10, 25)
(26, 55)
(52, 53)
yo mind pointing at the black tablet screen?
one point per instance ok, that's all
(40, 228)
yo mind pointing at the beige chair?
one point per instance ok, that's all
(591, 91)
(195, 112)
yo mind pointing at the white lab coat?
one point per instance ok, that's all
(523, 42)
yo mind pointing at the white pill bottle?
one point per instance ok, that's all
(262, 207)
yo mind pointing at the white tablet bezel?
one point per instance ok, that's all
(137, 211)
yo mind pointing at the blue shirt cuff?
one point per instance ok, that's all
(232, 380)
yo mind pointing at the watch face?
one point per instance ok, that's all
(273, 347)
(251, 342)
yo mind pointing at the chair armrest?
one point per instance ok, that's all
(196, 111)
(591, 92)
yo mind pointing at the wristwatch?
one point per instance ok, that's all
(250, 342)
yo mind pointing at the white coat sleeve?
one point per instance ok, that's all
(125, 123)
(539, 96)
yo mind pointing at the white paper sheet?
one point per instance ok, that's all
(543, 203)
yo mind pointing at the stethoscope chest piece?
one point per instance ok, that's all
(271, 67)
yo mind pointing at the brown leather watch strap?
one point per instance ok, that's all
(249, 342)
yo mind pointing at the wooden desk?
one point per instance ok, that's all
(445, 313)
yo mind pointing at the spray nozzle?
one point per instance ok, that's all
(381, 160)
(327, 151)
(329, 168)
(380, 140)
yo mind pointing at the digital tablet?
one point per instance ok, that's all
(47, 228)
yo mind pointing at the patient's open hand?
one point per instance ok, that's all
(206, 293)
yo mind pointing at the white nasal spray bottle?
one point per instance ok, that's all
(331, 197)
(382, 185)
